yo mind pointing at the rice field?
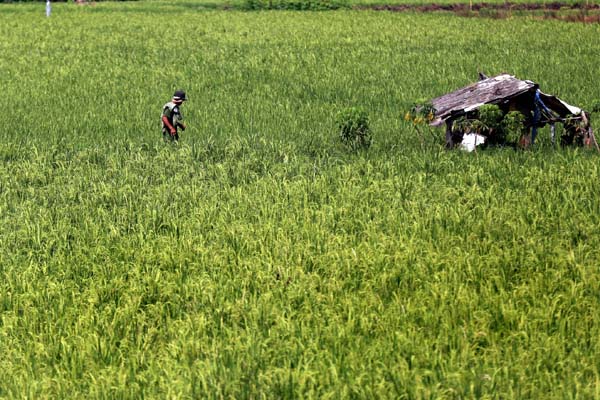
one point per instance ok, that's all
(259, 257)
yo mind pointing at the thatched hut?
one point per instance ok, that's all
(511, 94)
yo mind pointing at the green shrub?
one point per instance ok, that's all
(353, 125)
(421, 112)
(298, 5)
(513, 126)
(491, 122)
(487, 122)
(490, 117)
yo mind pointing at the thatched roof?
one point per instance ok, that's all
(493, 91)
(487, 91)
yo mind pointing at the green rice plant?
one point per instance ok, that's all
(353, 126)
(261, 259)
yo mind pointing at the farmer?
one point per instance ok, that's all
(172, 118)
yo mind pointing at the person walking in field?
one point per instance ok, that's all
(172, 119)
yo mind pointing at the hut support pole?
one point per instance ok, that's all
(591, 133)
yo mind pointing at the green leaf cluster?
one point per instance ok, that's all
(490, 116)
(421, 112)
(490, 121)
(353, 126)
(513, 126)
(297, 5)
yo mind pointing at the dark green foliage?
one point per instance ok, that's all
(486, 122)
(420, 112)
(298, 5)
(492, 123)
(490, 116)
(513, 126)
(353, 125)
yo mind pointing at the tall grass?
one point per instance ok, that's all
(259, 258)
